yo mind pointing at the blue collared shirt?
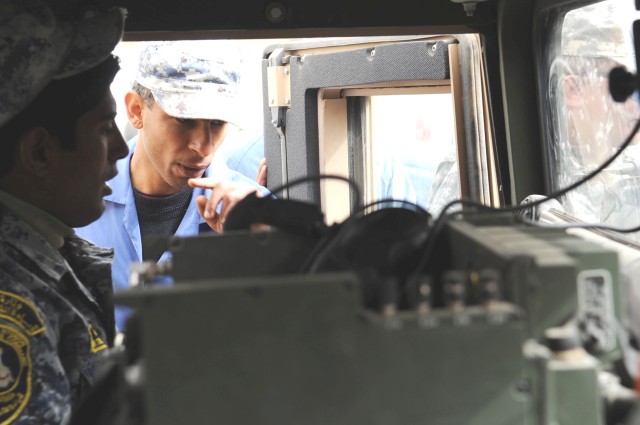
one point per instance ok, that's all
(118, 227)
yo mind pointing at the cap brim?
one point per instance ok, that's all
(206, 105)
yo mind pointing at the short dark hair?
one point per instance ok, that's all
(57, 109)
(144, 93)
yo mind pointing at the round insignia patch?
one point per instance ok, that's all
(22, 312)
(15, 373)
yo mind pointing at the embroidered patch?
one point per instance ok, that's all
(21, 312)
(97, 343)
(15, 373)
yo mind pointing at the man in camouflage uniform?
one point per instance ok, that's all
(589, 124)
(58, 146)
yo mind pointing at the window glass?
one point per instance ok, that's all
(588, 126)
(413, 149)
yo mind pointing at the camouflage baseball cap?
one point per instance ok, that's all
(601, 30)
(191, 80)
(38, 45)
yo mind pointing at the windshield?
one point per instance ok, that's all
(588, 126)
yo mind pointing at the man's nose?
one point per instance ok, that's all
(118, 148)
(203, 140)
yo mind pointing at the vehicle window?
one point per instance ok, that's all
(587, 125)
(413, 149)
(397, 145)
(399, 140)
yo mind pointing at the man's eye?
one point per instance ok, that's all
(185, 121)
(217, 123)
(110, 128)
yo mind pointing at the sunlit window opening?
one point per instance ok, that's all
(413, 149)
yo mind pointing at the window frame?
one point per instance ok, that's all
(323, 103)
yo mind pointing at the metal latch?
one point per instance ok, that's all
(279, 80)
(279, 91)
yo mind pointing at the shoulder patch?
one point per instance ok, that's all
(15, 373)
(22, 312)
(97, 342)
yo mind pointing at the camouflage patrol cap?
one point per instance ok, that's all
(601, 30)
(191, 80)
(38, 44)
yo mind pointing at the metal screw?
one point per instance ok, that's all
(434, 47)
(275, 12)
(469, 7)
(523, 385)
(373, 53)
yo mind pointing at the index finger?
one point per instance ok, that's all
(203, 182)
(261, 178)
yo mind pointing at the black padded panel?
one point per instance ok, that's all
(242, 17)
(415, 60)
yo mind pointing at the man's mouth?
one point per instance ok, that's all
(107, 187)
(192, 171)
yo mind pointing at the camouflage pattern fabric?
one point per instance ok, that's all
(608, 36)
(54, 330)
(37, 46)
(190, 81)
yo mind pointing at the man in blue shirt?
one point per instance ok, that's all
(181, 103)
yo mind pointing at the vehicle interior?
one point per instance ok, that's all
(454, 227)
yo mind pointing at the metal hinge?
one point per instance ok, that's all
(279, 91)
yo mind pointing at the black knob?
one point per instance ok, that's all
(562, 339)
(622, 83)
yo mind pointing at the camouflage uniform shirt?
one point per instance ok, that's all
(53, 327)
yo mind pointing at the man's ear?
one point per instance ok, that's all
(572, 95)
(134, 104)
(38, 151)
